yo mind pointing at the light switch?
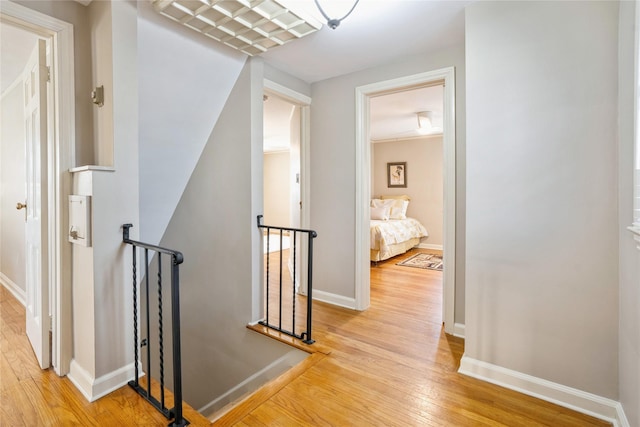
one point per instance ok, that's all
(80, 220)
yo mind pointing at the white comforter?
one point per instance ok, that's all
(385, 233)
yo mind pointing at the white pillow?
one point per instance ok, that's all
(379, 203)
(398, 208)
(381, 213)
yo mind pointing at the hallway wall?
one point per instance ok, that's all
(542, 235)
(12, 189)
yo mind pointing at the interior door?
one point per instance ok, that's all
(35, 113)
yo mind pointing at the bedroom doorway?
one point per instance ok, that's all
(364, 185)
(406, 133)
(286, 164)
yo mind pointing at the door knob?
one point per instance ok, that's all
(21, 206)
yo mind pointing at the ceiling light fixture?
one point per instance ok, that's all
(332, 22)
(249, 26)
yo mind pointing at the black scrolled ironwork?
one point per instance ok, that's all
(306, 335)
(175, 413)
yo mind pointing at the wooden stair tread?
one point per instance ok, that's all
(236, 411)
(292, 341)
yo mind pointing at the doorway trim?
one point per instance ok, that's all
(304, 102)
(60, 158)
(363, 184)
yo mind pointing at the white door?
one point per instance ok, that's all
(35, 113)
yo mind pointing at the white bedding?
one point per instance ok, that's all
(393, 231)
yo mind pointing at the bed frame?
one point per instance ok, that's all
(393, 250)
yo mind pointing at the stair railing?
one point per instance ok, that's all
(158, 401)
(305, 336)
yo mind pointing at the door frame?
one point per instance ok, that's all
(60, 158)
(304, 102)
(363, 184)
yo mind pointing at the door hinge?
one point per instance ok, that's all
(48, 73)
(50, 323)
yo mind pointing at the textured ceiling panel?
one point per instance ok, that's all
(250, 26)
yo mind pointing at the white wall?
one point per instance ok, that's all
(185, 79)
(214, 225)
(629, 337)
(542, 240)
(102, 288)
(424, 180)
(286, 80)
(12, 187)
(277, 176)
(102, 75)
(74, 13)
(333, 168)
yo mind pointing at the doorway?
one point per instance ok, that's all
(364, 186)
(57, 159)
(406, 131)
(286, 165)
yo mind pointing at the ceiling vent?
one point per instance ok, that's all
(250, 26)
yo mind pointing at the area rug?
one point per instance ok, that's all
(423, 260)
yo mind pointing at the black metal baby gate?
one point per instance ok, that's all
(293, 236)
(158, 401)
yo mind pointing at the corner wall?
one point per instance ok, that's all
(542, 239)
(12, 190)
(629, 335)
(184, 81)
(102, 306)
(277, 176)
(214, 226)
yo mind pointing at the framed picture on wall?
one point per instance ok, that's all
(397, 175)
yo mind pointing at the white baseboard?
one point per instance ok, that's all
(578, 400)
(93, 389)
(430, 246)
(216, 408)
(15, 290)
(334, 299)
(458, 330)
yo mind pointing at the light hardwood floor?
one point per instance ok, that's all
(391, 365)
(33, 397)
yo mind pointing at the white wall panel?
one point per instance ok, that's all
(542, 238)
(184, 81)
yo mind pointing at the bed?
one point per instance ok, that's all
(392, 232)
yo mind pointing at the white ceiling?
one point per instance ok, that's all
(377, 32)
(394, 116)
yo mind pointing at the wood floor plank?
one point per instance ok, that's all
(17, 409)
(238, 411)
(46, 416)
(7, 377)
(391, 365)
(30, 396)
(394, 365)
